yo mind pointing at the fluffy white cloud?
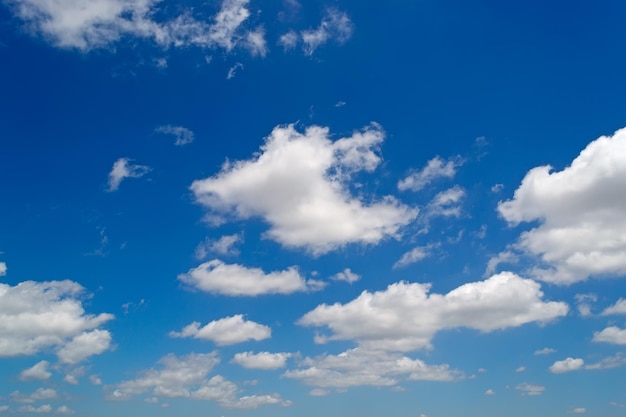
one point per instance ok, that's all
(611, 334)
(187, 377)
(89, 24)
(445, 204)
(225, 245)
(122, 169)
(414, 255)
(41, 394)
(567, 365)
(335, 25)
(357, 367)
(182, 135)
(38, 371)
(530, 389)
(85, 345)
(298, 183)
(490, 392)
(406, 317)
(64, 409)
(261, 360)
(435, 168)
(346, 275)
(74, 375)
(237, 280)
(40, 315)
(495, 261)
(226, 331)
(582, 231)
(618, 308)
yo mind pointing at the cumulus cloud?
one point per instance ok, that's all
(182, 135)
(226, 331)
(64, 409)
(225, 245)
(581, 214)
(88, 24)
(187, 377)
(237, 280)
(39, 315)
(618, 308)
(346, 275)
(414, 255)
(545, 351)
(501, 258)
(299, 184)
(406, 317)
(122, 169)
(490, 392)
(610, 362)
(45, 408)
(566, 365)
(41, 394)
(261, 360)
(530, 389)
(39, 371)
(358, 367)
(85, 345)
(435, 168)
(335, 26)
(611, 334)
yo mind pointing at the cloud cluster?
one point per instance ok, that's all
(261, 360)
(406, 317)
(299, 184)
(217, 277)
(39, 371)
(88, 24)
(611, 334)
(567, 365)
(41, 315)
(226, 331)
(188, 377)
(582, 231)
(357, 367)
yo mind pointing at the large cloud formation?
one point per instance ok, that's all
(41, 315)
(582, 231)
(405, 316)
(298, 183)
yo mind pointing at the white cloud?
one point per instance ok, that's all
(520, 369)
(445, 204)
(545, 351)
(89, 24)
(566, 365)
(45, 408)
(73, 375)
(4, 408)
(237, 280)
(261, 360)
(581, 214)
(346, 275)
(618, 308)
(85, 345)
(233, 70)
(298, 184)
(41, 394)
(318, 392)
(414, 255)
(358, 367)
(578, 410)
(38, 371)
(122, 169)
(335, 26)
(187, 377)
(64, 409)
(289, 40)
(256, 43)
(3, 269)
(406, 317)
(226, 331)
(495, 261)
(182, 135)
(435, 168)
(490, 392)
(95, 380)
(40, 315)
(610, 362)
(529, 389)
(225, 245)
(584, 302)
(611, 334)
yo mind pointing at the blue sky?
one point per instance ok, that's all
(254, 208)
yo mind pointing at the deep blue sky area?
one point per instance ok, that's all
(255, 208)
